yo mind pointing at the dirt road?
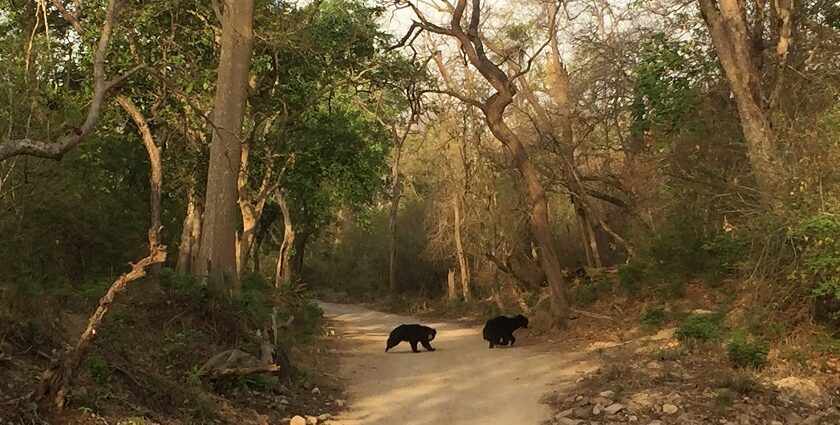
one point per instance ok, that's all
(462, 382)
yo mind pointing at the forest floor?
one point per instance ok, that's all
(555, 378)
(142, 368)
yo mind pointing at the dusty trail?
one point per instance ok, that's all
(462, 382)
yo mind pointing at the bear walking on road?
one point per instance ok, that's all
(499, 331)
(413, 334)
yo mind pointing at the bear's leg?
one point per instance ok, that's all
(414, 346)
(427, 346)
(491, 344)
(512, 340)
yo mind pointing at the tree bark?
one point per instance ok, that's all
(557, 80)
(250, 209)
(451, 288)
(217, 259)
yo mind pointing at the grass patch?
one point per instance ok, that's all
(701, 327)
(630, 276)
(589, 291)
(741, 383)
(743, 352)
(653, 317)
(724, 397)
(828, 343)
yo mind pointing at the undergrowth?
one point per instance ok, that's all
(701, 327)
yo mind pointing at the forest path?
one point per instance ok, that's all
(461, 382)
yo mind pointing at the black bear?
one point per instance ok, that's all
(412, 334)
(499, 331)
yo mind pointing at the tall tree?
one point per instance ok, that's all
(493, 108)
(740, 48)
(217, 257)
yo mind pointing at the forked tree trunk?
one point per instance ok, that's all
(56, 379)
(727, 24)
(217, 259)
(494, 110)
(190, 234)
(283, 273)
(250, 208)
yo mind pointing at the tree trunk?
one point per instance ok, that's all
(584, 235)
(283, 273)
(540, 225)
(188, 247)
(726, 21)
(451, 288)
(494, 109)
(299, 246)
(250, 209)
(195, 237)
(459, 249)
(392, 218)
(217, 259)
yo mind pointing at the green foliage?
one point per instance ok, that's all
(254, 303)
(98, 370)
(631, 276)
(701, 327)
(819, 266)
(745, 353)
(177, 343)
(722, 255)
(28, 333)
(258, 382)
(358, 264)
(679, 251)
(118, 321)
(828, 343)
(590, 290)
(187, 287)
(653, 317)
(662, 86)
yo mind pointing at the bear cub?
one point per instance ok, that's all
(499, 331)
(412, 334)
